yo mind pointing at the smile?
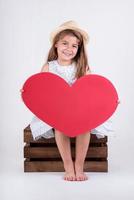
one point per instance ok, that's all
(67, 54)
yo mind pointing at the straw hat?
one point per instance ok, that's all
(69, 25)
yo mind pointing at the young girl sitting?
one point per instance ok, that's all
(67, 58)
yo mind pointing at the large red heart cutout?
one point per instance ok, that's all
(75, 109)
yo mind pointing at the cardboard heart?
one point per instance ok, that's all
(75, 109)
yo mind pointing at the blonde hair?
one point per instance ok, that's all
(80, 59)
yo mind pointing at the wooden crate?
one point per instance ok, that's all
(42, 155)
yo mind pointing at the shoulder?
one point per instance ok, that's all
(45, 68)
(88, 70)
(48, 66)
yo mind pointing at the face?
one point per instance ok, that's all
(67, 48)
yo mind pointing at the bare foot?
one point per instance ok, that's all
(69, 172)
(80, 175)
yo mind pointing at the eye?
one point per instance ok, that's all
(75, 46)
(64, 43)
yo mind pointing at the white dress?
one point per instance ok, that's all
(41, 129)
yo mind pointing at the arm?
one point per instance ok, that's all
(89, 72)
(45, 68)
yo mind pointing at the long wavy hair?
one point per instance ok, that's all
(80, 59)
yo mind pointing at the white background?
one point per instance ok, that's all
(25, 26)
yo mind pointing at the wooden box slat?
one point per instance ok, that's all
(57, 166)
(42, 155)
(47, 152)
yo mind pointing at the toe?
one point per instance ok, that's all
(86, 178)
(72, 178)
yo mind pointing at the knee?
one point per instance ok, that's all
(60, 133)
(57, 131)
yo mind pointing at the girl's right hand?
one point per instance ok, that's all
(21, 90)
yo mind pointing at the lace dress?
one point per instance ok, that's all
(41, 129)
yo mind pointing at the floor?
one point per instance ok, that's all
(118, 183)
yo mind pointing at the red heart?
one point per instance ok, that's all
(75, 109)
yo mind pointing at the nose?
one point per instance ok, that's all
(69, 47)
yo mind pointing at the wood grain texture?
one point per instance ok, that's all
(57, 166)
(42, 155)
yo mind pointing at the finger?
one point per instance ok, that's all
(21, 90)
(119, 102)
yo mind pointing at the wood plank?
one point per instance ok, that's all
(57, 166)
(28, 138)
(52, 152)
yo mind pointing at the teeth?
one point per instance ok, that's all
(67, 54)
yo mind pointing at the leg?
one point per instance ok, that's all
(63, 143)
(82, 143)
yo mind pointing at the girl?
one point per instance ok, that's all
(67, 58)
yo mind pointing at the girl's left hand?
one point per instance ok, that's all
(118, 101)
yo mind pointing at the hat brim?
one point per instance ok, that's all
(59, 29)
